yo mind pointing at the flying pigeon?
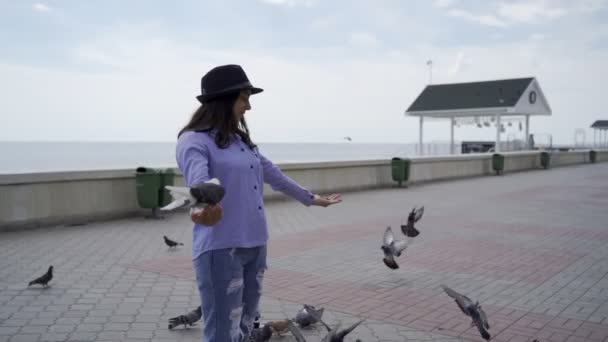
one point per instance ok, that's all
(392, 248)
(171, 243)
(415, 215)
(187, 320)
(209, 193)
(44, 279)
(304, 318)
(472, 310)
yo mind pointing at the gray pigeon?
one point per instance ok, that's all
(415, 215)
(210, 192)
(472, 310)
(171, 243)
(187, 320)
(335, 334)
(304, 318)
(262, 334)
(392, 248)
(44, 279)
(295, 332)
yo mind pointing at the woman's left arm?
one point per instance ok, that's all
(280, 182)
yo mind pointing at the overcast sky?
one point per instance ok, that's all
(129, 70)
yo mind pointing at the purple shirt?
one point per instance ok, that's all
(242, 172)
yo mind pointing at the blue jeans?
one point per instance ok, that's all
(230, 284)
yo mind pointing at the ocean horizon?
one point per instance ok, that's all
(53, 156)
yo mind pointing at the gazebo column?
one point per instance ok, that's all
(420, 146)
(497, 146)
(527, 132)
(452, 124)
(594, 138)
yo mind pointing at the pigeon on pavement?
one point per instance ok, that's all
(304, 318)
(187, 320)
(335, 334)
(44, 279)
(262, 334)
(171, 243)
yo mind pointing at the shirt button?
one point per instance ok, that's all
(259, 208)
(255, 187)
(242, 149)
(251, 166)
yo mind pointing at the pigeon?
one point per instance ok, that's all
(279, 327)
(392, 248)
(472, 310)
(295, 332)
(261, 334)
(171, 243)
(335, 334)
(209, 193)
(187, 320)
(304, 318)
(415, 215)
(44, 279)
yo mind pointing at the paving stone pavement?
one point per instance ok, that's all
(530, 246)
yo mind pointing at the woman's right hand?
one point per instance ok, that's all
(208, 216)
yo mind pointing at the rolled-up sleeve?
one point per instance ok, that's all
(193, 160)
(278, 181)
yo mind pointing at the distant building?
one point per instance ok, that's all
(497, 99)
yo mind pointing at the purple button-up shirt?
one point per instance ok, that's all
(242, 172)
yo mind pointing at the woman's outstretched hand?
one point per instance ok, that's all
(208, 216)
(325, 201)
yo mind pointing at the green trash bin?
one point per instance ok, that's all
(592, 156)
(498, 163)
(148, 183)
(400, 170)
(167, 177)
(545, 160)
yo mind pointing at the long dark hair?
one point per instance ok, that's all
(217, 115)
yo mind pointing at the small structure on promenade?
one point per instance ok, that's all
(600, 138)
(486, 103)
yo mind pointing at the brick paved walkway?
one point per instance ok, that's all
(531, 247)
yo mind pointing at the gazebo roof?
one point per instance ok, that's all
(518, 96)
(600, 124)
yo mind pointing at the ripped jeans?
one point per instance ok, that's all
(230, 284)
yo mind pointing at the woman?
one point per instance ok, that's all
(229, 241)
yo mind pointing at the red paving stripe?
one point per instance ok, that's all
(417, 309)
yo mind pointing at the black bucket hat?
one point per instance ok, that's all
(223, 80)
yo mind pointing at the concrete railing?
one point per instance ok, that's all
(44, 199)
(569, 158)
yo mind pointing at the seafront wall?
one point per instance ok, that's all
(72, 198)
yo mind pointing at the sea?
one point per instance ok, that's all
(39, 156)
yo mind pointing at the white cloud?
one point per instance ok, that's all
(460, 65)
(530, 11)
(291, 3)
(148, 82)
(364, 40)
(483, 19)
(443, 3)
(40, 7)
(513, 12)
